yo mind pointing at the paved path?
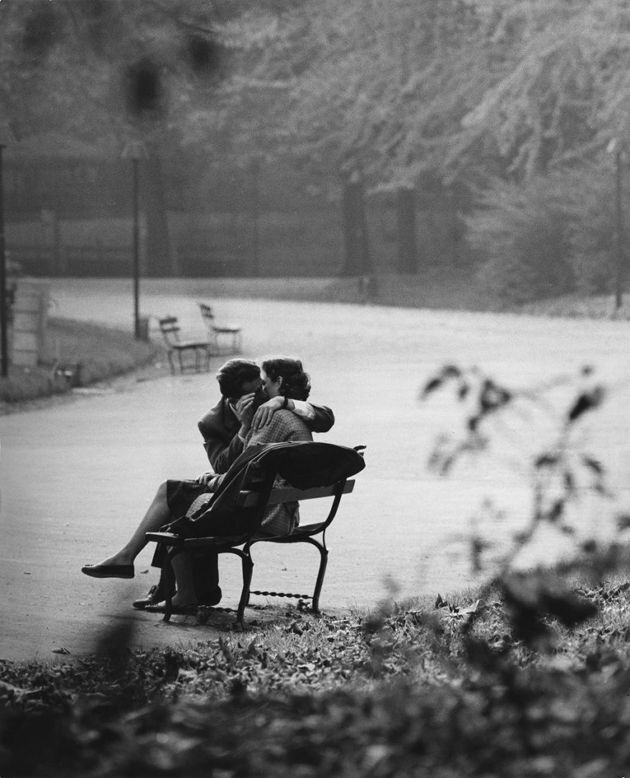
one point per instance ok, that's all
(75, 477)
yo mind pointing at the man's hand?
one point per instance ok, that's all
(244, 410)
(265, 412)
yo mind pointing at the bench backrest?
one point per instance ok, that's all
(314, 468)
(282, 494)
(169, 327)
(206, 313)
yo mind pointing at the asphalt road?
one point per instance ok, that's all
(76, 476)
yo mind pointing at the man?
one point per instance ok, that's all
(223, 428)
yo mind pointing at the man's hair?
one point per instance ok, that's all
(233, 374)
(296, 384)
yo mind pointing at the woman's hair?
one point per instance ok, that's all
(296, 384)
(233, 374)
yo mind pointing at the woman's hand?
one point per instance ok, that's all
(210, 480)
(264, 413)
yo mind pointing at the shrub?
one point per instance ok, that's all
(593, 229)
(523, 233)
(548, 236)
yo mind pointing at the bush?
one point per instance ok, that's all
(549, 236)
(593, 229)
(443, 691)
(523, 233)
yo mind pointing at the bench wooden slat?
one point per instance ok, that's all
(248, 499)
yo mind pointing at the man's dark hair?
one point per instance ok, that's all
(233, 374)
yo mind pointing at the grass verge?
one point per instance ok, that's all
(86, 352)
(441, 690)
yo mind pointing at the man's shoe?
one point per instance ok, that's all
(175, 610)
(155, 595)
(213, 597)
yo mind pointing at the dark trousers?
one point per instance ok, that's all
(205, 563)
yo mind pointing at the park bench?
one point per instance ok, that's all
(201, 350)
(249, 495)
(218, 333)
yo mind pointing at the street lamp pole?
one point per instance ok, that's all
(6, 137)
(136, 250)
(620, 226)
(4, 318)
(617, 147)
(136, 150)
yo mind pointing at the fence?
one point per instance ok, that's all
(234, 245)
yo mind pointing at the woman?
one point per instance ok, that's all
(281, 377)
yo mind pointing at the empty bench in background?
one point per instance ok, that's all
(313, 471)
(199, 350)
(226, 338)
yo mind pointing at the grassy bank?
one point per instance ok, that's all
(440, 690)
(76, 354)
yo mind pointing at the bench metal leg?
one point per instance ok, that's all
(323, 562)
(248, 570)
(168, 575)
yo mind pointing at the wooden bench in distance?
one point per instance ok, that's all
(201, 350)
(217, 333)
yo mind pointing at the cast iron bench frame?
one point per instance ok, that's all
(314, 534)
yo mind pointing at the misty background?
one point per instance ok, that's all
(477, 145)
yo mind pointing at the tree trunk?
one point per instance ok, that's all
(406, 217)
(255, 214)
(158, 244)
(357, 255)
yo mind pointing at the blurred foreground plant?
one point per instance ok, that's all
(561, 472)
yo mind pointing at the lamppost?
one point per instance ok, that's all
(6, 139)
(617, 148)
(135, 151)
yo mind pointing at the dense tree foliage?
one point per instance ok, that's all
(401, 88)
(396, 88)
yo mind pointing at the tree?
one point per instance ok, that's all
(564, 93)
